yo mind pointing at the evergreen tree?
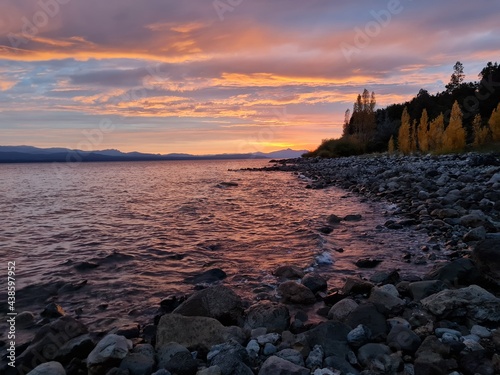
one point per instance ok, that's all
(423, 132)
(481, 133)
(404, 136)
(494, 124)
(347, 120)
(456, 78)
(436, 131)
(454, 136)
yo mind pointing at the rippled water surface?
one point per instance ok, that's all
(147, 226)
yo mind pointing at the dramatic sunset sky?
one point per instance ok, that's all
(204, 76)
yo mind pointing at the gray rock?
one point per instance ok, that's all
(108, 353)
(385, 300)
(278, 366)
(145, 349)
(129, 331)
(182, 363)
(79, 347)
(25, 319)
(341, 364)
(369, 316)
(397, 321)
(356, 286)
(271, 338)
(138, 364)
(315, 282)
(269, 349)
(422, 289)
(323, 371)
(315, 358)
(473, 302)
(369, 352)
(253, 349)
(218, 302)
(441, 331)
(196, 333)
(48, 368)
(459, 272)
(291, 355)
(212, 370)
(359, 336)
(48, 340)
(288, 272)
(274, 317)
(331, 336)
(342, 309)
(444, 213)
(480, 331)
(231, 358)
(294, 292)
(403, 338)
(474, 219)
(162, 372)
(476, 234)
(167, 351)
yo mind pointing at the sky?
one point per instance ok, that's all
(222, 76)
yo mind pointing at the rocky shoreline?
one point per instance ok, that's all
(445, 323)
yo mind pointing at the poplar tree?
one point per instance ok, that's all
(404, 135)
(481, 133)
(391, 147)
(423, 132)
(454, 135)
(436, 131)
(494, 124)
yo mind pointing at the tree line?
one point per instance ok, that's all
(466, 115)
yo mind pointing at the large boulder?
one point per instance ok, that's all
(176, 359)
(473, 301)
(194, 332)
(459, 272)
(294, 292)
(274, 317)
(108, 353)
(218, 302)
(48, 340)
(278, 366)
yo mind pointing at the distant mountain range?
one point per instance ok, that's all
(29, 154)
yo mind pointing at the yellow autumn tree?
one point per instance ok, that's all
(494, 124)
(481, 133)
(413, 136)
(423, 132)
(454, 135)
(436, 131)
(404, 135)
(391, 147)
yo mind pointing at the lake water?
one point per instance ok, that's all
(147, 226)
